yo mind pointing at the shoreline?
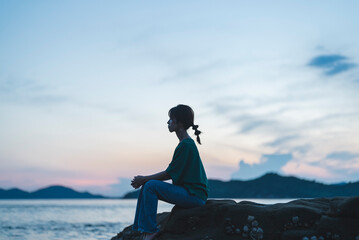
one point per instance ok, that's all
(318, 218)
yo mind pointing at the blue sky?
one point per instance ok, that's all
(85, 88)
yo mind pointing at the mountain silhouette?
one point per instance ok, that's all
(272, 185)
(13, 193)
(52, 192)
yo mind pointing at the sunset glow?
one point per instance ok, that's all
(85, 88)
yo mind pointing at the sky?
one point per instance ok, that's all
(85, 89)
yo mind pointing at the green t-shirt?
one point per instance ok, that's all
(186, 169)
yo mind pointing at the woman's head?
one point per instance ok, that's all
(184, 115)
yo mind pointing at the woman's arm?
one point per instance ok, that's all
(138, 181)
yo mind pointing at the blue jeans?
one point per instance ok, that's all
(151, 192)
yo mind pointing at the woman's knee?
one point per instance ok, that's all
(151, 184)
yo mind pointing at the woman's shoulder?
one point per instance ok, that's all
(187, 141)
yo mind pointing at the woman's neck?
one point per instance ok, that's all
(182, 134)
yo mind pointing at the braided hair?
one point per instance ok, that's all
(197, 133)
(185, 115)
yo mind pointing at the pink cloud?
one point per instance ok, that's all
(33, 180)
(308, 171)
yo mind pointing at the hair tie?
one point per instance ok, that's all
(194, 127)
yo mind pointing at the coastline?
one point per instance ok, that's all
(318, 218)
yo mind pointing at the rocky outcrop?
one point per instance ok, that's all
(304, 219)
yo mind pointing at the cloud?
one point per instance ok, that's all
(310, 121)
(333, 64)
(79, 180)
(246, 122)
(346, 163)
(269, 163)
(250, 125)
(302, 149)
(30, 92)
(27, 91)
(13, 85)
(249, 114)
(281, 140)
(118, 189)
(219, 171)
(309, 171)
(326, 60)
(342, 155)
(189, 73)
(23, 177)
(334, 167)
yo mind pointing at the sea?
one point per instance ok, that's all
(74, 219)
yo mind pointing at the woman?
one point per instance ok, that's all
(189, 188)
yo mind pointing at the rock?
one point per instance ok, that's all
(344, 208)
(221, 219)
(250, 218)
(193, 221)
(295, 219)
(228, 230)
(290, 225)
(336, 237)
(259, 233)
(227, 221)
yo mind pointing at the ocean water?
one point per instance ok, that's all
(73, 219)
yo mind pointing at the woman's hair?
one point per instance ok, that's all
(185, 115)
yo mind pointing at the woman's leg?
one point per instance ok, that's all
(138, 209)
(177, 195)
(146, 212)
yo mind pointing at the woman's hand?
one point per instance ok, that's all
(138, 181)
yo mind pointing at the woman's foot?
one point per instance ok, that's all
(149, 236)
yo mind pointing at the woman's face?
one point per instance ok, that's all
(172, 125)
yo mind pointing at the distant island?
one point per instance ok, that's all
(270, 185)
(52, 192)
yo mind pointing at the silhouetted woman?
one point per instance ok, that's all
(189, 188)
